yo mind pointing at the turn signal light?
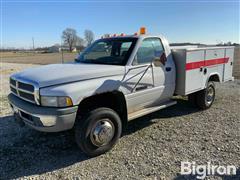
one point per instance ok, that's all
(69, 101)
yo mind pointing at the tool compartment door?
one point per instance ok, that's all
(194, 71)
(228, 66)
(214, 63)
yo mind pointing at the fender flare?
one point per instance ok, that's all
(120, 105)
(211, 75)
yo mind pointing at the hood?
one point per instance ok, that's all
(54, 74)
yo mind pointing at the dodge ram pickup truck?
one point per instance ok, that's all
(114, 80)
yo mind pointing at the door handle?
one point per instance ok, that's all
(205, 71)
(168, 68)
(141, 88)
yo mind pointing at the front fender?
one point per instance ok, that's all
(82, 89)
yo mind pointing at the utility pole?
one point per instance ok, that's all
(62, 50)
(33, 43)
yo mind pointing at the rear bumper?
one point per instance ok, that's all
(46, 119)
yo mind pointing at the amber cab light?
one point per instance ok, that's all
(142, 30)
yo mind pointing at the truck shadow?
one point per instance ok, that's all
(182, 108)
(26, 152)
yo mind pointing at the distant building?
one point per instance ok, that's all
(65, 48)
(54, 49)
(58, 48)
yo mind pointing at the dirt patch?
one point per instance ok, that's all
(47, 58)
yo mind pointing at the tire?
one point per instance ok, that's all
(206, 97)
(89, 128)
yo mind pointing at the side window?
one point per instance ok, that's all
(124, 48)
(157, 44)
(145, 53)
(149, 49)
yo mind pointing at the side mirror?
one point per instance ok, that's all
(157, 61)
(160, 60)
(77, 56)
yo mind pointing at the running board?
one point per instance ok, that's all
(149, 110)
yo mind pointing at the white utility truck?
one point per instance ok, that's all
(115, 80)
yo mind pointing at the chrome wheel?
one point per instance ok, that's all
(210, 95)
(102, 132)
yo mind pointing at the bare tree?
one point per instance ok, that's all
(229, 43)
(70, 37)
(80, 44)
(89, 36)
(80, 41)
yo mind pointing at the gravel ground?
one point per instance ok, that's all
(151, 148)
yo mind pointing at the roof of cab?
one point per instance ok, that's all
(134, 36)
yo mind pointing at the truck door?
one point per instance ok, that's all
(150, 80)
(164, 74)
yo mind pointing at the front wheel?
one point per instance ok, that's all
(206, 97)
(98, 131)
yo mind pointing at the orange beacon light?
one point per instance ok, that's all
(142, 30)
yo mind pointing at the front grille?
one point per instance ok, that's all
(22, 90)
(25, 86)
(26, 95)
(12, 82)
(13, 90)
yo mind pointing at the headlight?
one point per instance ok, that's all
(53, 101)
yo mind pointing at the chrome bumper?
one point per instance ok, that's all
(46, 119)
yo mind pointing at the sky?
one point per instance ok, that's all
(199, 21)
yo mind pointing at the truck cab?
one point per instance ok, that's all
(115, 80)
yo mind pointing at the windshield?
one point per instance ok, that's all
(114, 51)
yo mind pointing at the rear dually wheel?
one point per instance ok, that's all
(206, 97)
